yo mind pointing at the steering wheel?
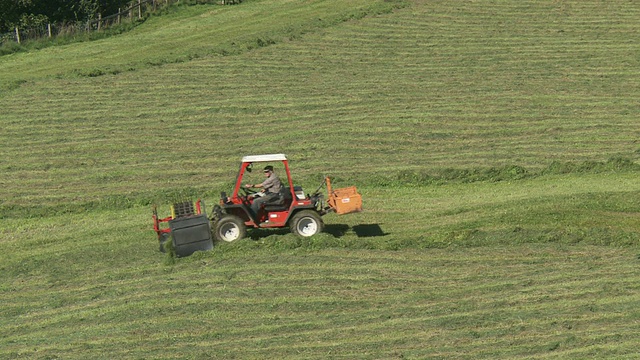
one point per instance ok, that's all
(247, 191)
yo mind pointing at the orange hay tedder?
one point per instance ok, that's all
(191, 230)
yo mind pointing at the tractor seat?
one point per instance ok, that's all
(281, 203)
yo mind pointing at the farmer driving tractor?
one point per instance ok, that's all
(271, 188)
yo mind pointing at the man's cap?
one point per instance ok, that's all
(268, 168)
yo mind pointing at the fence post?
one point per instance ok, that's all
(99, 20)
(49, 29)
(119, 12)
(139, 9)
(17, 35)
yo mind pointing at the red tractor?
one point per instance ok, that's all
(291, 208)
(191, 230)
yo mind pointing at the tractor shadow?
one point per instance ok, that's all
(362, 230)
(336, 230)
(257, 234)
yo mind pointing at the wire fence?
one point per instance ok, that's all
(137, 10)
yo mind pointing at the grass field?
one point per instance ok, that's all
(495, 144)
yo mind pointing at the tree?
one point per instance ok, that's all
(20, 12)
(10, 15)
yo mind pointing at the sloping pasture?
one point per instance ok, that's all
(495, 144)
(430, 87)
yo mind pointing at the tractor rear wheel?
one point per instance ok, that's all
(306, 223)
(230, 228)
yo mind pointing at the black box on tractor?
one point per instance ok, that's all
(189, 228)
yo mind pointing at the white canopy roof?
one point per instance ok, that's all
(261, 158)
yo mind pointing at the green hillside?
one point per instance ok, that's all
(495, 144)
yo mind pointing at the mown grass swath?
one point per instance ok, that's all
(494, 143)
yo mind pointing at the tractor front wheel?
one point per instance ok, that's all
(306, 223)
(230, 228)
